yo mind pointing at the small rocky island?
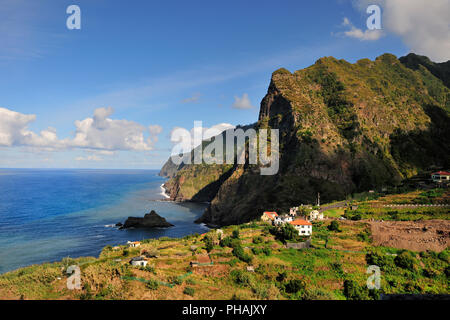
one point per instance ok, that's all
(150, 220)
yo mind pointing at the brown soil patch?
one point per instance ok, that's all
(412, 235)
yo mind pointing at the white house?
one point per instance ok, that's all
(138, 261)
(315, 215)
(303, 227)
(133, 244)
(282, 220)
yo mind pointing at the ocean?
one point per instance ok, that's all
(46, 215)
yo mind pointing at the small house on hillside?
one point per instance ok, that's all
(138, 261)
(133, 244)
(441, 176)
(303, 227)
(315, 215)
(269, 216)
(282, 220)
(293, 211)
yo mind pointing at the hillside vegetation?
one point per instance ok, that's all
(333, 268)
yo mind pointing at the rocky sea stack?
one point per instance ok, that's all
(150, 220)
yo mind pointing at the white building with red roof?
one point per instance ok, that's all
(303, 227)
(269, 216)
(441, 176)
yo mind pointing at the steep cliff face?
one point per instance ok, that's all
(343, 128)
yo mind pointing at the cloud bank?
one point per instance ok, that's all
(422, 25)
(97, 133)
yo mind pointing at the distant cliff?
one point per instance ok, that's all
(343, 127)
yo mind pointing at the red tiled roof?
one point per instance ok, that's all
(271, 215)
(300, 222)
(442, 173)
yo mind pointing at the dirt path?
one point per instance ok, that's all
(412, 235)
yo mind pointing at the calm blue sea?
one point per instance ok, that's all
(46, 215)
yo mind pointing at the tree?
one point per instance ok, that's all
(286, 232)
(209, 244)
(334, 226)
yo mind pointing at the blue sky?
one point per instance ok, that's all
(161, 64)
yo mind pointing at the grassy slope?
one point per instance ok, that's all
(322, 271)
(407, 206)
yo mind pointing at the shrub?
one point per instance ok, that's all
(281, 276)
(430, 273)
(267, 251)
(235, 243)
(149, 269)
(260, 289)
(175, 280)
(353, 291)
(317, 294)
(294, 286)
(447, 271)
(257, 240)
(362, 236)
(189, 291)
(444, 256)
(256, 251)
(235, 234)
(152, 284)
(334, 226)
(125, 253)
(239, 253)
(240, 277)
(405, 261)
(225, 242)
(337, 268)
(380, 260)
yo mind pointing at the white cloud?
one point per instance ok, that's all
(242, 103)
(367, 35)
(97, 133)
(422, 25)
(14, 131)
(101, 132)
(203, 133)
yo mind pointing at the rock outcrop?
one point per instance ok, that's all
(150, 220)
